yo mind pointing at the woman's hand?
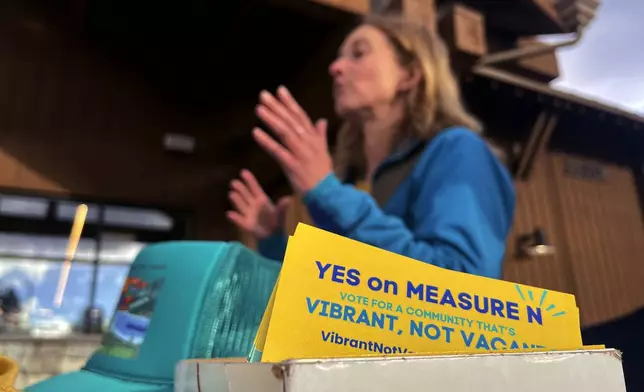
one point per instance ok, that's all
(254, 212)
(303, 154)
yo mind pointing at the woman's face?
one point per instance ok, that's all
(367, 73)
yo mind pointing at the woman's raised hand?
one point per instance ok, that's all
(303, 153)
(254, 212)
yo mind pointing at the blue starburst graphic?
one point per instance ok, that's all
(550, 308)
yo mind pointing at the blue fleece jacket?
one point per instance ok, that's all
(453, 211)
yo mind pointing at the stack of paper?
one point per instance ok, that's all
(336, 297)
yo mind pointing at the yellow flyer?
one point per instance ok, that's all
(337, 298)
(260, 338)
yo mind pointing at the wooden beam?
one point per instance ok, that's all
(535, 134)
(328, 10)
(419, 11)
(359, 7)
(636, 121)
(543, 67)
(463, 30)
(537, 142)
(547, 7)
(551, 125)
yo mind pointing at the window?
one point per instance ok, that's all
(65, 211)
(20, 206)
(35, 281)
(33, 240)
(138, 218)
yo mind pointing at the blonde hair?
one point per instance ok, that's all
(435, 104)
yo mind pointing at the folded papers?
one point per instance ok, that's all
(337, 297)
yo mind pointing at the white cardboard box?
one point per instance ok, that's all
(572, 371)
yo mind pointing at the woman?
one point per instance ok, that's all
(438, 194)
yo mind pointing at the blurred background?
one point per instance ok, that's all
(143, 111)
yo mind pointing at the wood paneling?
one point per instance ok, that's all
(597, 230)
(605, 235)
(534, 209)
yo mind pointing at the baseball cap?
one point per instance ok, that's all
(181, 300)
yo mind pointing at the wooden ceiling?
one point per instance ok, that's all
(519, 17)
(210, 60)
